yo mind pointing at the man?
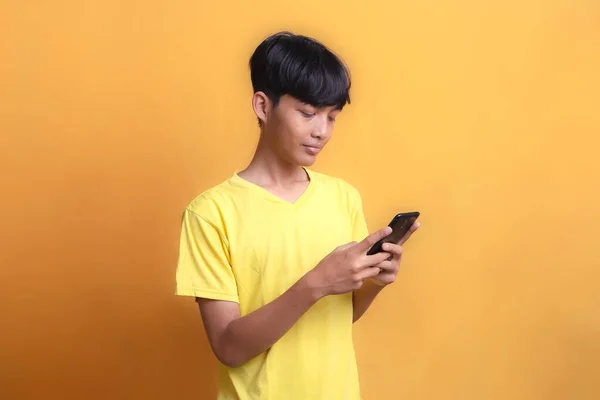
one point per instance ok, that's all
(276, 254)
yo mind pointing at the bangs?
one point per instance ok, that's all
(318, 81)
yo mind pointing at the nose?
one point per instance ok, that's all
(320, 128)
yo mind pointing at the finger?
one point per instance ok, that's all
(386, 266)
(369, 241)
(368, 273)
(412, 230)
(392, 248)
(374, 259)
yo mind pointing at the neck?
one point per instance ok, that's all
(268, 169)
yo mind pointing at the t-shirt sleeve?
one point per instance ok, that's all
(204, 268)
(359, 223)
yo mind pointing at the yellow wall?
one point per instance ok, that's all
(483, 115)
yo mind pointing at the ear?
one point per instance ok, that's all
(261, 105)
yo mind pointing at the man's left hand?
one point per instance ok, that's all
(390, 267)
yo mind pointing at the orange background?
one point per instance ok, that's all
(484, 116)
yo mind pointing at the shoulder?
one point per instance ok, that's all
(336, 184)
(211, 204)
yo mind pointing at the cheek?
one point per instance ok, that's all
(288, 138)
(297, 132)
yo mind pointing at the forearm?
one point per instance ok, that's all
(248, 336)
(363, 297)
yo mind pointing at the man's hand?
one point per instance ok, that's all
(345, 269)
(390, 267)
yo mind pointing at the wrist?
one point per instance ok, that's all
(375, 285)
(310, 284)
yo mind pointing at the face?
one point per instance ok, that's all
(297, 132)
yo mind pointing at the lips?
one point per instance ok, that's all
(313, 149)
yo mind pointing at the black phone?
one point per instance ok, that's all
(400, 225)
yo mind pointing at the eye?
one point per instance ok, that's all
(332, 119)
(306, 115)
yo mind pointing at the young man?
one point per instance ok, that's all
(276, 254)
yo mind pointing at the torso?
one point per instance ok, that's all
(274, 238)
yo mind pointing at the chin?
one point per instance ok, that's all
(301, 158)
(306, 160)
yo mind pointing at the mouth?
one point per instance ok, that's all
(313, 149)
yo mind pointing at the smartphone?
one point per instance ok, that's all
(400, 225)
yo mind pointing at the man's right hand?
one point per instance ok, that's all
(344, 269)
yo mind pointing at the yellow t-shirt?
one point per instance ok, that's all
(241, 243)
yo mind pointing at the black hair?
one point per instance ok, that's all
(301, 67)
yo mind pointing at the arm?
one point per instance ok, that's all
(236, 339)
(363, 297)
